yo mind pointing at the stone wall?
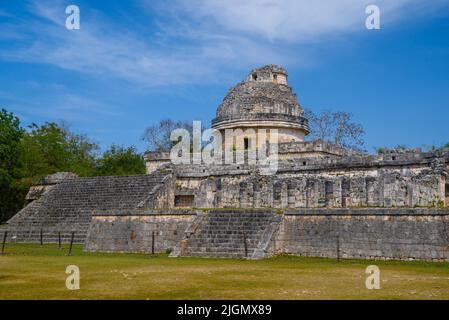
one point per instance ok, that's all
(421, 234)
(156, 160)
(398, 180)
(311, 149)
(132, 230)
(446, 188)
(68, 206)
(162, 195)
(369, 233)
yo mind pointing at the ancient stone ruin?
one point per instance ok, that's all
(322, 201)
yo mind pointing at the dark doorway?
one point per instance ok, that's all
(184, 201)
(447, 194)
(246, 143)
(345, 192)
(329, 193)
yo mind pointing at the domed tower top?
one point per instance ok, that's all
(263, 100)
(269, 73)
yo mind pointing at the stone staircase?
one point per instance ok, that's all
(67, 207)
(229, 234)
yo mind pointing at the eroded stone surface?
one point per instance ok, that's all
(323, 200)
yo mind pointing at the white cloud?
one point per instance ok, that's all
(101, 48)
(197, 39)
(296, 20)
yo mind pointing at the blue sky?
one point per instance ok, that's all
(133, 63)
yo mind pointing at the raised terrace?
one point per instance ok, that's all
(68, 206)
(372, 233)
(321, 199)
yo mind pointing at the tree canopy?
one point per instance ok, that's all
(120, 161)
(51, 148)
(39, 150)
(11, 193)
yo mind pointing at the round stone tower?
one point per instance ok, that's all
(263, 101)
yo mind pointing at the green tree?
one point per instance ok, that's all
(82, 153)
(51, 148)
(11, 192)
(120, 161)
(27, 155)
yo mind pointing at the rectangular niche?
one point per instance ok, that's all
(447, 194)
(184, 201)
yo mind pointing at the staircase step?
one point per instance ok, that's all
(68, 206)
(222, 234)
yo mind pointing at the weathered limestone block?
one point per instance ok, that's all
(298, 187)
(366, 233)
(68, 206)
(132, 230)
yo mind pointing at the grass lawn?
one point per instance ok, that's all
(29, 271)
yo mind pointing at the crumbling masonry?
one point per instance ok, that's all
(323, 200)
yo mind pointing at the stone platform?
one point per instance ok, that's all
(364, 233)
(68, 206)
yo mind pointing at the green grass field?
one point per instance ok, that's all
(34, 272)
